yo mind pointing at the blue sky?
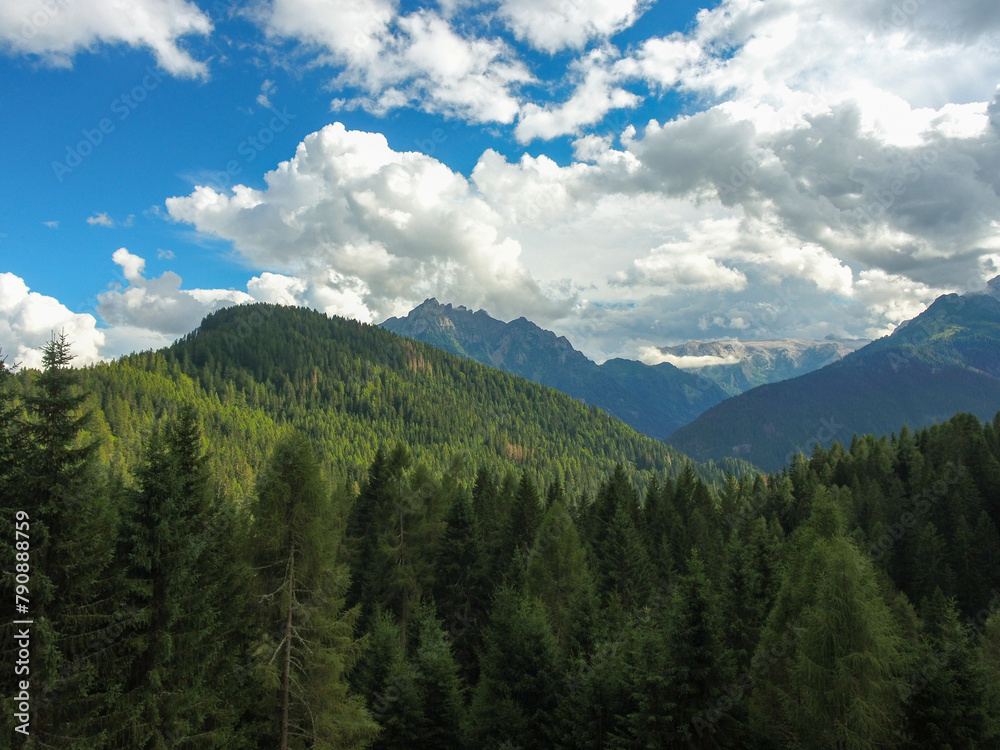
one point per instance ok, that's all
(631, 174)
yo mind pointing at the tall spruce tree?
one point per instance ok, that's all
(438, 684)
(363, 521)
(946, 703)
(556, 569)
(63, 489)
(523, 518)
(460, 585)
(181, 583)
(386, 677)
(516, 697)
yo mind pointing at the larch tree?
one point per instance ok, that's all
(311, 638)
(829, 663)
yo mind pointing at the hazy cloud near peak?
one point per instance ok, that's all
(653, 356)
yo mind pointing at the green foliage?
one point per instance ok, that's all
(53, 476)
(557, 570)
(838, 684)
(217, 589)
(947, 698)
(352, 388)
(310, 645)
(439, 686)
(516, 697)
(171, 580)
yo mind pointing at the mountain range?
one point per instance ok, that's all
(737, 366)
(655, 399)
(944, 361)
(762, 401)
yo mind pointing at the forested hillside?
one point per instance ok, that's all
(253, 370)
(944, 361)
(849, 600)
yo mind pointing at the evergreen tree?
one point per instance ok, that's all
(837, 684)
(460, 584)
(311, 641)
(516, 697)
(387, 680)
(988, 654)
(522, 524)
(368, 677)
(398, 706)
(363, 521)
(683, 683)
(11, 436)
(946, 705)
(593, 706)
(403, 567)
(63, 490)
(556, 569)
(623, 565)
(439, 686)
(750, 583)
(170, 576)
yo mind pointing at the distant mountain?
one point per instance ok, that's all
(743, 365)
(653, 399)
(944, 361)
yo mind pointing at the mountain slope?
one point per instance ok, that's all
(746, 364)
(254, 370)
(944, 361)
(655, 400)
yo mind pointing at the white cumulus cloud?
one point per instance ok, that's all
(159, 305)
(58, 30)
(350, 214)
(552, 25)
(28, 320)
(416, 60)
